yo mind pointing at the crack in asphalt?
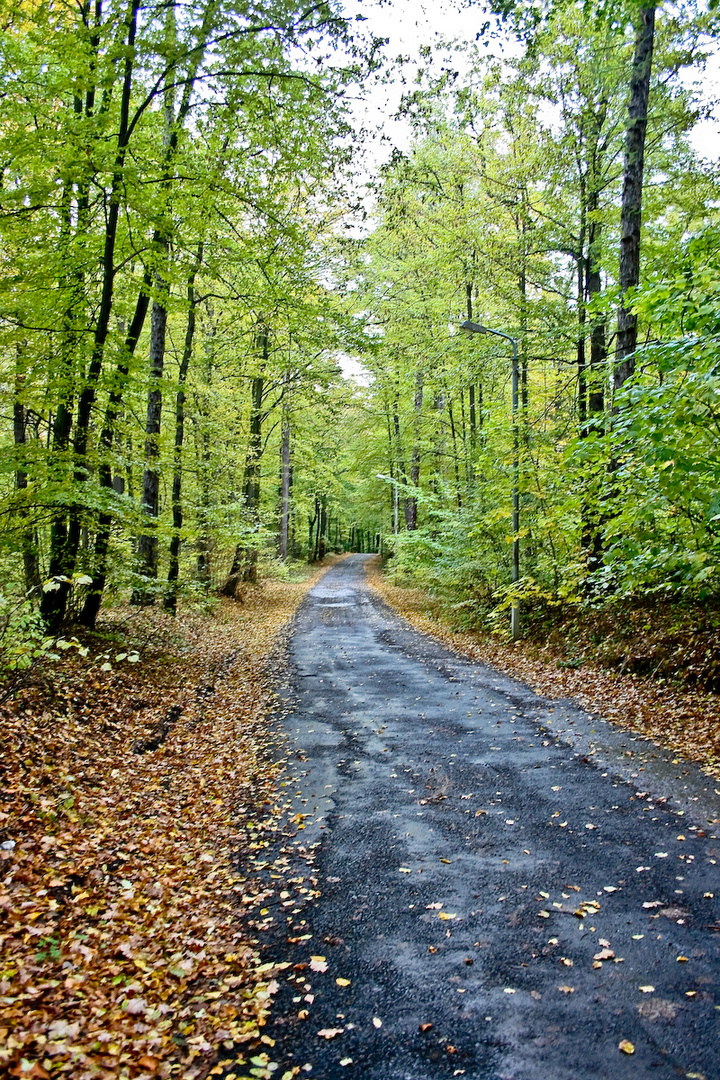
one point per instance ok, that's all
(497, 878)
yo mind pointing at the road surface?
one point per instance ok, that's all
(507, 887)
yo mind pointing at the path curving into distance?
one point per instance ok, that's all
(493, 882)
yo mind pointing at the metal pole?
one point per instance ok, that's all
(515, 607)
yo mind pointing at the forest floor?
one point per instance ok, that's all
(138, 789)
(671, 711)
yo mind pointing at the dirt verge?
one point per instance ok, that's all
(136, 784)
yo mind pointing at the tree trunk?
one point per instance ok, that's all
(170, 602)
(65, 538)
(285, 474)
(244, 565)
(173, 125)
(147, 550)
(631, 209)
(27, 534)
(411, 504)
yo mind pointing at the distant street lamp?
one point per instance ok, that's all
(477, 328)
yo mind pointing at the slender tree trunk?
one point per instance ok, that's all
(147, 550)
(93, 599)
(285, 473)
(631, 207)
(456, 462)
(173, 125)
(27, 533)
(311, 529)
(244, 565)
(67, 539)
(581, 270)
(411, 504)
(401, 470)
(170, 602)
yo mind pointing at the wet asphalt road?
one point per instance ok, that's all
(501, 871)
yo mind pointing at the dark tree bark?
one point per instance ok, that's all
(285, 480)
(27, 534)
(65, 540)
(174, 124)
(244, 565)
(631, 209)
(598, 347)
(411, 504)
(170, 601)
(147, 549)
(456, 462)
(93, 599)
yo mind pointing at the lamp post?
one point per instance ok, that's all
(477, 328)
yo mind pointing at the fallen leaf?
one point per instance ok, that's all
(425, 1027)
(544, 914)
(433, 907)
(566, 961)
(646, 989)
(343, 982)
(330, 1033)
(626, 1046)
(509, 990)
(682, 959)
(604, 954)
(346, 1061)
(318, 963)
(566, 989)
(446, 915)
(609, 888)
(405, 870)
(377, 1022)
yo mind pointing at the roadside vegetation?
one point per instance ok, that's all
(190, 257)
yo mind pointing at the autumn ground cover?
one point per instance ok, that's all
(138, 790)
(668, 704)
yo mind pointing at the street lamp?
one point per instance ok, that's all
(477, 328)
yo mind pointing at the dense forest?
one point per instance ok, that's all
(191, 256)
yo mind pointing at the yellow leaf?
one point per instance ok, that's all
(544, 914)
(626, 1046)
(343, 982)
(646, 989)
(446, 915)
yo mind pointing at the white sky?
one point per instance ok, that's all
(409, 25)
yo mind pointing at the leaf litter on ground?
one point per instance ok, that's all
(137, 803)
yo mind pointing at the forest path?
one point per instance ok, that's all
(455, 836)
